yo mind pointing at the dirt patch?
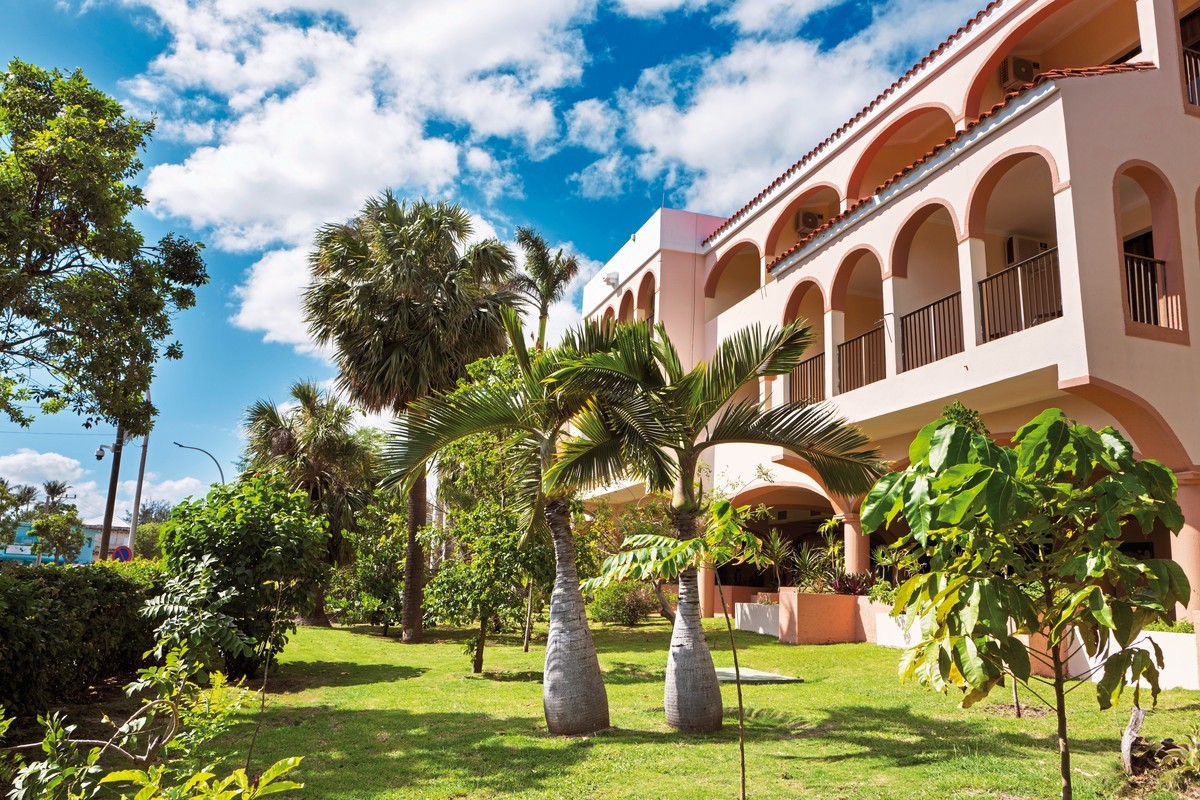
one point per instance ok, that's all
(1009, 710)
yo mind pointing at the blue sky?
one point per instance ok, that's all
(579, 117)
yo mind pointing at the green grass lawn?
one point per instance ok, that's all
(378, 719)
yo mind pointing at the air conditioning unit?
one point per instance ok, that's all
(1016, 72)
(808, 221)
(1022, 248)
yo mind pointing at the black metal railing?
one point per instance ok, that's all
(932, 333)
(1150, 300)
(1020, 297)
(1191, 72)
(807, 383)
(861, 360)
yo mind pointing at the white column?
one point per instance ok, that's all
(891, 329)
(835, 332)
(972, 268)
(1158, 28)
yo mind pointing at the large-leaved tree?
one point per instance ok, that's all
(1030, 535)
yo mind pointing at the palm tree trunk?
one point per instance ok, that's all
(693, 695)
(412, 612)
(319, 616)
(573, 694)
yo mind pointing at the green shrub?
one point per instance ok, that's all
(1179, 626)
(622, 603)
(147, 541)
(267, 548)
(64, 629)
(883, 592)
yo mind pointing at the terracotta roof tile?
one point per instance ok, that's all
(1045, 77)
(867, 109)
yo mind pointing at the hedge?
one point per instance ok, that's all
(64, 629)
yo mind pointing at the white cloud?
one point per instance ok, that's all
(606, 177)
(271, 299)
(657, 8)
(716, 131)
(593, 124)
(33, 468)
(775, 17)
(89, 496)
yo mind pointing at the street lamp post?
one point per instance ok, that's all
(220, 471)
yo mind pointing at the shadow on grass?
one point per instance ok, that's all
(376, 752)
(298, 676)
(623, 673)
(509, 676)
(904, 737)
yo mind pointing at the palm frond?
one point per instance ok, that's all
(742, 358)
(840, 453)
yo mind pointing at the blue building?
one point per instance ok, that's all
(21, 550)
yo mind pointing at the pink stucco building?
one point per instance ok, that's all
(1013, 224)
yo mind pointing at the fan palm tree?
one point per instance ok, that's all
(546, 277)
(536, 415)
(317, 449)
(56, 492)
(714, 403)
(405, 305)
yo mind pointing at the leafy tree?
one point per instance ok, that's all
(608, 527)
(371, 587)
(86, 304)
(314, 446)
(59, 534)
(573, 694)
(151, 511)
(13, 510)
(1030, 533)
(546, 276)
(716, 402)
(406, 305)
(483, 581)
(266, 548)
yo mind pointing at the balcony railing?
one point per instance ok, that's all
(932, 333)
(1024, 295)
(861, 360)
(1150, 301)
(1191, 72)
(807, 383)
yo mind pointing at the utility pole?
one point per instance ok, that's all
(110, 506)
(137, 493)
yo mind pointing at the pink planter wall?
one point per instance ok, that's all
(826, 618)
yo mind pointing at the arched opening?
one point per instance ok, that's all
(858, 295)
(734, 277)
(1148, 229)
(1064, 35)
(809, 211)
(905, 141)
(795, 513)
(646, 300)
(807, 383)
(1012, 211)
(610, 316)
(626, 313)
(928, 296)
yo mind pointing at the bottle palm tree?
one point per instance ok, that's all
(405, 305)
(317, 449)
(56, 492)
(574, 698)
(714, 403)
(546, 277)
